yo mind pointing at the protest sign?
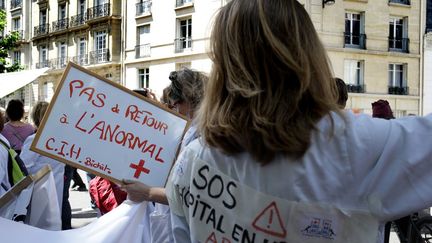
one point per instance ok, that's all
(104, 128)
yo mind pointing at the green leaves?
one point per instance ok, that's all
(8, 43)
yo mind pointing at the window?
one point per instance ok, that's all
(43, 57)
(16, 24)
(180, 3)
(353, 75)
(43, 17)
(184, 36)
(397, 78)
(143, 7)
(354, 30)
(99, 2)
(101, 52)
(144, 78)
(81, 6)
(62, 11)
(398, 40)
(82, 49)
(17, 57)
(62, 54)
(143, 41)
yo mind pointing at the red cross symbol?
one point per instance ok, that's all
(139, 168)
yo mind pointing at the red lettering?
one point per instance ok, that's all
(157, 156)
(100, 126)
(47, 145)
(79, 121)
(89, 91)
(132, 111)
(101, 97)
(72, 86)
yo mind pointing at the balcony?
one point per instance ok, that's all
(98, 11)
(356, 88)
(99, 56)
(398, 90)
(59, 63)
(78, 20)
(143, 8)
(16, 4)
(353, 40)
(82, 60)
(181, 3)
(40, 30)
(43, 64)
(399, 44)
(404, 2)
(60, 24)
(182, 43)
(142, 51)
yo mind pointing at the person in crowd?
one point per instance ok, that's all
(78, 183)
(343, 93)
(4, 155)
(34, 161)
(382, 109)
(183, 95)
(16, 131)
(277, 160)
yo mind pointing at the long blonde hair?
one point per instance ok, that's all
(271, 80)
(38, 112)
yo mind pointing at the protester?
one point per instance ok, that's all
(278, 161)
(78, 183)
(34, 161)
(343, 93)
(382, 109)
(4, 178)
(15, 130)
(184, 95)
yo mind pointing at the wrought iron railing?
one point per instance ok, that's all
(180, 3)
(60, 24)
(182, 43)
(58, 63)
(354, 40)
(398, 90)
(78, 20)
(143, 8)
(43, 64)
(82, 60)
(98, 11)
(356, 88)
(16, 4)
(142, 51)
(99, 56)
(399, 44)
(42, 29)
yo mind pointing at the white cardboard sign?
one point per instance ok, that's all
(99, 126)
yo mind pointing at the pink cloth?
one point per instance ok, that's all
(16, 135)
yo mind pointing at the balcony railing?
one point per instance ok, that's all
(58, 63)
(180, 44)
(98, 11)
(142, 51)
(43, 64)
(180, 3)
(353, 40)
(42, 29)
(78, 20)
(16, 4)
(99, 56)
(82, 60)
(356, 88)
(405, 2)
(398, 90)
(143, 8)
(399, 44)
(60, 24)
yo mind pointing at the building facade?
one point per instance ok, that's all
(427, 61)
(375, 46)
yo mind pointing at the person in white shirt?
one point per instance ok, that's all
(277, 160)
(34, 161)
(4, 156)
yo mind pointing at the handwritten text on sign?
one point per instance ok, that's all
(102, 127)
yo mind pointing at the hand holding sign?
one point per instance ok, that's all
(101, 127)
(139, 192)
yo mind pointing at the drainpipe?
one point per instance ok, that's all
(422, 31)
(123, 43)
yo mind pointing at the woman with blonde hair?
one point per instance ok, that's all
(278, 160)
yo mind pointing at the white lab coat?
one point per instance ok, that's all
(378, 168)
(34, 162)
(4, 156)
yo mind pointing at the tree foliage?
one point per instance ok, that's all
(8, 42)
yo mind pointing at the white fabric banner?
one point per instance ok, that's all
(123, 224)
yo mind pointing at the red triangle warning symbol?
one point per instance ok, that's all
(269, 221)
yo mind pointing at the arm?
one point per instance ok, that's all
(139, 192)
